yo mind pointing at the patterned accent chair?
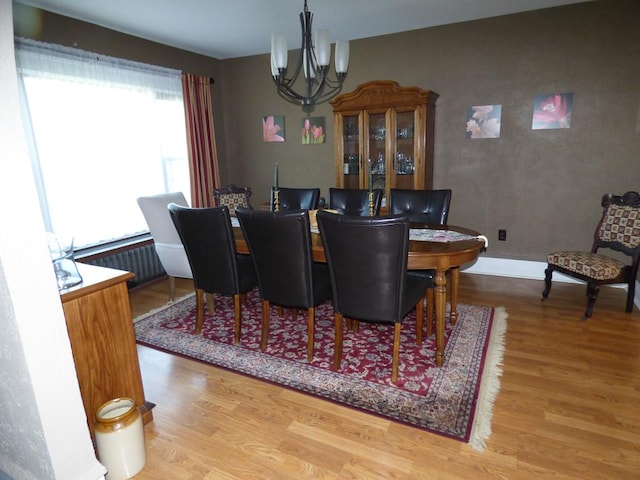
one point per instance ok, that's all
(618, 230)
(232, 197)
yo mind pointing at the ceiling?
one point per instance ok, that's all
(237, 28)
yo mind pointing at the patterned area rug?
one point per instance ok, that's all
(455, 400)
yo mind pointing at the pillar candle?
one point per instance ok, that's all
(276, 177)
(370, 178)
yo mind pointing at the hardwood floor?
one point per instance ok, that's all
(568, 408)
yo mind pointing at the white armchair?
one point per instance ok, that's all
(167, 242)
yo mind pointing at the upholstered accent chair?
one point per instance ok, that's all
(619, 231)
(367, 258)
(354, 202)
(232, 197)
(166, 240)
(280, 246)
(296, 198)
(207, 236)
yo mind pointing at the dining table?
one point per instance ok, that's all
(443, 248)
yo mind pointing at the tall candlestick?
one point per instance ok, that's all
(370, 178)
(276, 177)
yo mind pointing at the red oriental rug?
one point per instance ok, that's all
(454, 400)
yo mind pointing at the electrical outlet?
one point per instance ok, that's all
(502, 235)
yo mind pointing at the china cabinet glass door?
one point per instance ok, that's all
(404, 165)
(351, 149)
(377, 161)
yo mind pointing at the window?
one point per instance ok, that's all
(104, 132)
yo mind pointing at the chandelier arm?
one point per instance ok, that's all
(317, 85)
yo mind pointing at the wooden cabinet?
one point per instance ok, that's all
(100, 326)
(383, 135)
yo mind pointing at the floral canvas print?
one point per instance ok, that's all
(312, 130)
(552, 110)
(273, 128)
(483, 121)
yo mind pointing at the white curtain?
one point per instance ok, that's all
(104, 132)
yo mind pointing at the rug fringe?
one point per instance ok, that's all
(490, 384)
(164, 307)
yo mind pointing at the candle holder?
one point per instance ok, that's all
(276, 200)
(371, 204)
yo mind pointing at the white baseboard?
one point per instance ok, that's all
(504, 267)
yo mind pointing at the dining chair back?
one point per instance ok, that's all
(207, 236)
(233, 197)
(296, 199)
(166, 240)
(617, 232)
(354, 202)
(280, 246)
(367, 260)
(424, 206)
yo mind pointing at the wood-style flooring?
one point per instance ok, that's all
(568, 407)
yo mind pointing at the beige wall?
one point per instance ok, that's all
(543, 186)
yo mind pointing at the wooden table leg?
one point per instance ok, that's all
(440, 301)
(455, 280)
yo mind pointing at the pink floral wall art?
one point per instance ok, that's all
(273, 128)
(483, 121)
(313, 130)
(552, 110)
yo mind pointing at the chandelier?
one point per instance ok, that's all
(313, 61)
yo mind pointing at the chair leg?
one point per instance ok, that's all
(311, 315)
(396, 352)
(631, 293)
(592, 296)
(172, 288)
(547, 282)
(237, 309)
(430, 310)
(419, 320)
(337, 350)
(294, 314)
(211, 303)
(264, 336)
(199, 310)
(280, 311)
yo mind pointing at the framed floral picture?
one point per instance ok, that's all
(483, 121)
(552, 110)
(313, 130)
(273, 128)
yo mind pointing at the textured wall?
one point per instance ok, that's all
(543, 186)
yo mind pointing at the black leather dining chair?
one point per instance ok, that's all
(280, 246)
(424, 206)
(207, 236)
(296, 199)
(354, 202)
(367, 258)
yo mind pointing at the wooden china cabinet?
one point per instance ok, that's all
(383, 135)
